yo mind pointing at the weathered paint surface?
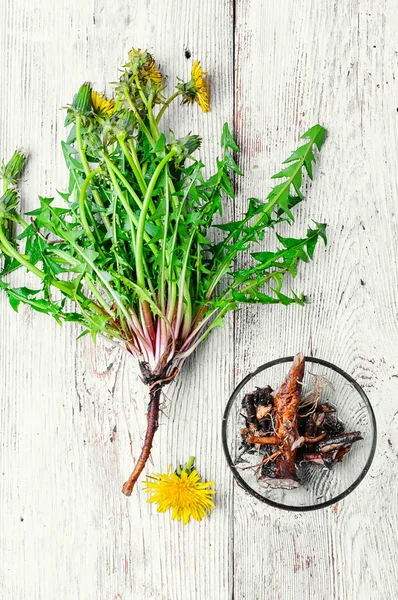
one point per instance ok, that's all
(72, 415)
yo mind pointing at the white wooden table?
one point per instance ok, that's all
(72, 415)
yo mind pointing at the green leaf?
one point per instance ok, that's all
(320, 230)
(231, 164)
(227, 140)
(287, 172)
(37, 249)
(286, 300)
(52, 266)
(160, 145)
(316, 134)
(253, 298)
(160, 211)
(30, 230)
(227, 186)
(264, 256)
(176, 260)
(232, 226)
(64, 195)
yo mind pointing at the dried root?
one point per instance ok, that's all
(289, 429)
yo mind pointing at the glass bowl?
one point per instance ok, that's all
(321, 486)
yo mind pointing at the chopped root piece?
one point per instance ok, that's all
(270, 440)
(289, 430)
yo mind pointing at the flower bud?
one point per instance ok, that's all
(11, 171)
(82, 101)
(186, 146)
(81, 104)
(8, 202)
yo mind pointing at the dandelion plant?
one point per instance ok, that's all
(130, 254)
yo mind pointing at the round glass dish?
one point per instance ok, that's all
(321, 486)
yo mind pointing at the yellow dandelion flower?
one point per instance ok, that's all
(201, 87)
(197, 89)
(151, 71)
(183, 493)
(147, 69)
(101, 104)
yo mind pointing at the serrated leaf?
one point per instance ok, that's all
(321, 230)
(263, 257)
(52, 266)
(27, 232)
(83, 333)
(232, 226)
(289, 242)
(317, 134)
(299, 153)
(227, 140)
(72, 317)
(255, 298)
(231, 164)
(160, 144)
(286, 300)
(64, 195)
(227, 186)
(37, 250)
(72, 235)
(311, 244)
(287, 172)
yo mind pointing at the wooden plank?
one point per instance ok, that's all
(298, 64)
(69, 412)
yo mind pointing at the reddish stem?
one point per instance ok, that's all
(148, 323)
(152, 415)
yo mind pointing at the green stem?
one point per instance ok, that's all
(165, 105)
(188, 468)
(20, 220)
(190, 343)
(181, 205)
(101, 301)
(148, 104)
(153, 123)
(87, 169)
(82, 196)
(132, 159)
(134, 155)
(139, 258)
(172, 298)
(115, 297)
(162, 286)
(138, 116)
(126, 184)
(132, 218)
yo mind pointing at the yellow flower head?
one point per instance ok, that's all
(183, 493)
(101, 105)
(145, 66)
(197, 89)
(202, 90)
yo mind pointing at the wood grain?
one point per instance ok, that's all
(300, 64)
(72, 415)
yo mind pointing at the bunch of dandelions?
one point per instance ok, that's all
(131, 254)
(182, 492)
